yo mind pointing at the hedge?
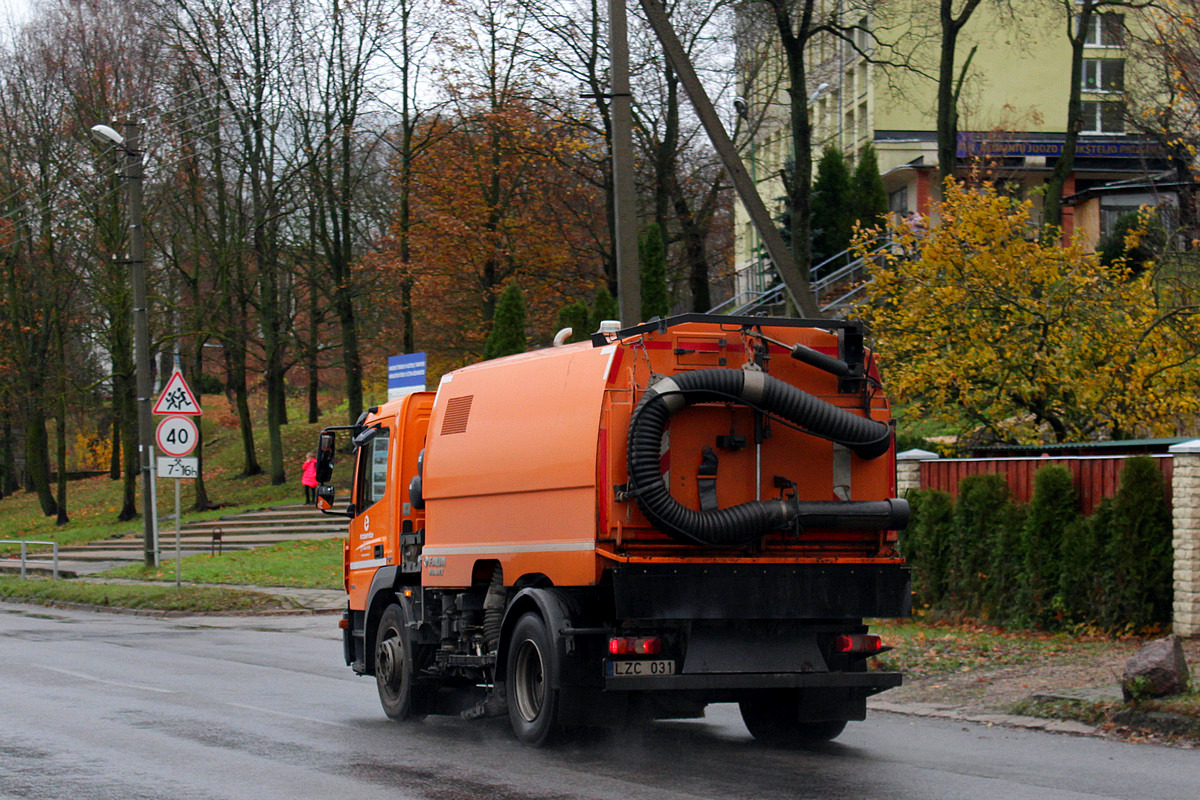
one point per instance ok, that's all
(1041, 564)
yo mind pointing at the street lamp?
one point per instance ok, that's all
(132, 174)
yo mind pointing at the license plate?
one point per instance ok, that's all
(630, 669)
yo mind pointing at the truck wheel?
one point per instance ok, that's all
(533, 675)
(773, 718)
(394, 667)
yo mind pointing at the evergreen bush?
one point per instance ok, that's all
(988, 557)
(508, 326)
(1139, 550)
(832, 223)
(980, 516)
(1053, 508)
(652, 258)
(869, 197)
(603, 307)
(926, 545)
(575, 317)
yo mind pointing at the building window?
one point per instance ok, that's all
(1105, 30)
(1103, 116)
(898, 202)
(1103, 75)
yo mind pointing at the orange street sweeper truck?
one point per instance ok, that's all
(694, 510)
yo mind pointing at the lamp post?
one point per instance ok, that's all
(132, 174)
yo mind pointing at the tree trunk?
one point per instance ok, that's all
(114, 462)
(196, 375)
(60, 430)
(37, 457)
(1065, 165)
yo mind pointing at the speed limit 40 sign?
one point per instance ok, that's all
(176, 436)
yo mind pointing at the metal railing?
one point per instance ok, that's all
(836, 283)
(25, 559)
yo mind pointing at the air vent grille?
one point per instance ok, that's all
(458, 409)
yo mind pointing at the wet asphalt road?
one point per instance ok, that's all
(113, 706)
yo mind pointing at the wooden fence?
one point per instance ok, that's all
(1095, 477)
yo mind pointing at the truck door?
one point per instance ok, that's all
(374, 513)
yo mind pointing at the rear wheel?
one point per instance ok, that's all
(533, 677)
(774, 718)
(394, 672)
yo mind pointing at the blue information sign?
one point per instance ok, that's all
(406, 374)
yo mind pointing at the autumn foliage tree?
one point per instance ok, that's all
(489, 201)
(981, 324)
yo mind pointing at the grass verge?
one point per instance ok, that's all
(306, 564)
(923, 649)
(1172, 718)
(190, 599)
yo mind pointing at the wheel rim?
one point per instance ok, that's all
(530, 681)
(389, 661)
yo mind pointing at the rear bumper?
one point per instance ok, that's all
(689, 591)
(861, 683)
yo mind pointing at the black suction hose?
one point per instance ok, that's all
(749, 522)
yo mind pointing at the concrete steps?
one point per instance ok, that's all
(244, 531)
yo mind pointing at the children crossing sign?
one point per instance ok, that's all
(177, 398)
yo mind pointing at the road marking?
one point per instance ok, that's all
(138, 686)
(289, 716)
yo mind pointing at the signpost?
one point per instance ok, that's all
(177, 436)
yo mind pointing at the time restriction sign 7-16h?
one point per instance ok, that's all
(176, 435)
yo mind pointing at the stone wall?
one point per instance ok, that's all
(908, 470)
(1185, 501)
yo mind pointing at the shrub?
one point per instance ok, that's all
(1052, 509)
(575, 317)
(1083, 567)
(981, 571)
(508, 326)
(926, 544)
(603, 307)
(652, 257)
(1139, 550)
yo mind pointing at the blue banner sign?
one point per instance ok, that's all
(406, 374)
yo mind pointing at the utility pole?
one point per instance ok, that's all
(796, 283)
(625, 232)
(141, 333)
(131, 173)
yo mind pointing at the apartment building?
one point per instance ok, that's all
(881, 89)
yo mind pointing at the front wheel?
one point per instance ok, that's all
(774, 718)
(533, 678)
(394, 667)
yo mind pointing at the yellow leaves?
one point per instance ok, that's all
(985, 321)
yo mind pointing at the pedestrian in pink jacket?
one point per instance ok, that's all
(308, 477)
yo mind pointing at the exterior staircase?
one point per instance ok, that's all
(243, 531)
(837, 284)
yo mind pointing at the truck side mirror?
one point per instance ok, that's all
(325, 460)
(325, 497)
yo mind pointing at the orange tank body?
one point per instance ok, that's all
(524, 454)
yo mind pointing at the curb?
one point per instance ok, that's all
(931, 710)
(1183, 728)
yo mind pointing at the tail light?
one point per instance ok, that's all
(635, 645)
(859, 644)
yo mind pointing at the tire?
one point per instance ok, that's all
(774, 718)
(394, 667)
(532, 682)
